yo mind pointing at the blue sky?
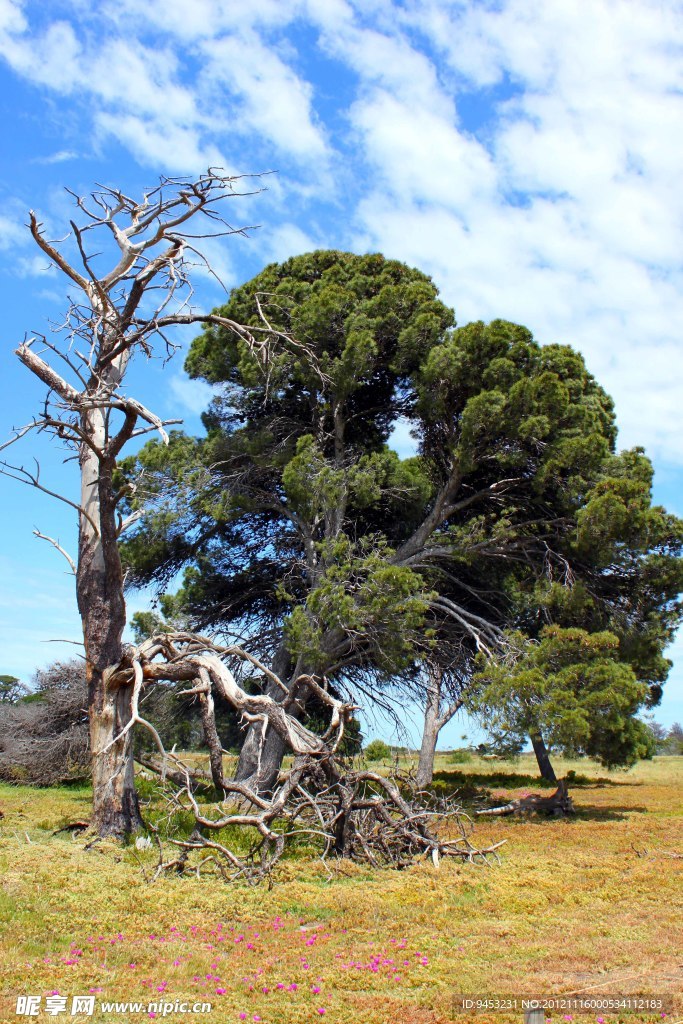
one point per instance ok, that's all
(526, 153)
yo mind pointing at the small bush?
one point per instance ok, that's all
(460, 756)
(378, 750)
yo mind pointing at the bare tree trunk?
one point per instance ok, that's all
(89, 410)
(436, 716)
(543, 758)
(99, 586)
(260, 761)
(430, 734)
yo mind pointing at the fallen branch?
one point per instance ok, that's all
(340, 812)
(558, 803)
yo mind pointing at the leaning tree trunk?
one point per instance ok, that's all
(99, 585)
(437, 714)
(430, 734)
(542, 756)
(260, 758)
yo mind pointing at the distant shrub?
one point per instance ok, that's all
(459, 756)
(378, 750)
(44, 736)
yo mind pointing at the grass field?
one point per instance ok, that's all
(590, 901)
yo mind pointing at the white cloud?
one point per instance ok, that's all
(271, 99)
(161, 144)
(12, 233)
(60, 157)
(419, 154)
(208, 19)
(558, 204)
(193, 395)
(35, 266)
(287, 240)
(11, 17)
(565, 212)
(53, 59)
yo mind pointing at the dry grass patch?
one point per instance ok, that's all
(596, 896)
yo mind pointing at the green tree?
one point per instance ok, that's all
(260, 509)
(570, 687)
(674, 740)
(11, 689)
(377, 750)
(299, 528)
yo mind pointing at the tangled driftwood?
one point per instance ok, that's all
(355, 814)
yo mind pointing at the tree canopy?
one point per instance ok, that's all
(515, 528)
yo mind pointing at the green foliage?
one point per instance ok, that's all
(11, 689)
(377, 750)
(460, 756)
(358, 590)
(573, 688)
(297, 526)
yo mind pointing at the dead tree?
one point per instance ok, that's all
(129, 262)
(359, 815)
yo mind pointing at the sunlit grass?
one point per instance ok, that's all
(596, 893)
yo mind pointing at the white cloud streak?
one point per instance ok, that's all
(557, 203)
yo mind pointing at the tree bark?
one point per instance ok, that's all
(260, 760)
(260, 773)
(436, 716)
(430, 734)
(212, 739)
(543, 758)
(99, 587)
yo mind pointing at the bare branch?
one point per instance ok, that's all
(44, 372)
(23, 476)
(57, 545)
(54, 254)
